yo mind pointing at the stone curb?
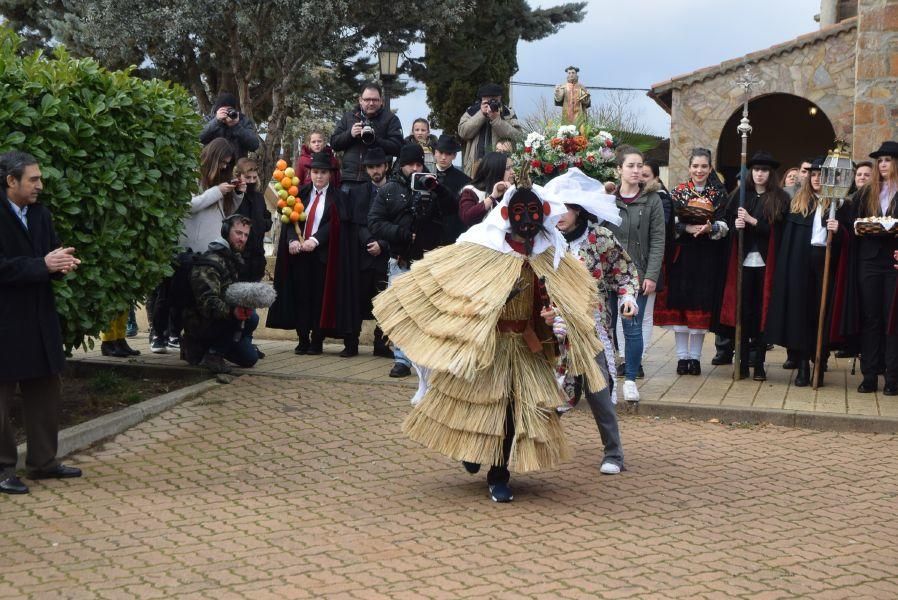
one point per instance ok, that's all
(90, 432)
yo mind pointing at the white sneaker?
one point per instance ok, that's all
(631, 394)
(609, 468)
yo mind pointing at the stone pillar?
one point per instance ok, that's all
(828, 12)
(876, 74)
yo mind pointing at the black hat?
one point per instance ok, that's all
(321, 160)
(226, 99)
(817, 164)
(411, 153)
(886, 149)
(375, 156)
(447, 144)
(489, 89)
(762, 158)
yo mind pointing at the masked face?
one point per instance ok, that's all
(525, 212)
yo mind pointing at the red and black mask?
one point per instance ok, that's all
(525, 213)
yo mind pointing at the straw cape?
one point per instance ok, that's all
(445, 314)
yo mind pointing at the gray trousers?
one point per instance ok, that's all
(603, 411)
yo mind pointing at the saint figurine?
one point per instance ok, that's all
(573, 98)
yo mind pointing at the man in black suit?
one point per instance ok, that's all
(453, 179)
(30, 257)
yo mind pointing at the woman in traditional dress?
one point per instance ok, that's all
(792, 319)
(694, 264)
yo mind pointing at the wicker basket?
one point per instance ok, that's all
(873, 228)
(692, 215)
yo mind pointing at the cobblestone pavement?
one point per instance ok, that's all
(269, 488)
(715, 387)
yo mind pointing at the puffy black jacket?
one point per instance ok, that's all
(243, 136)
(397, 212)
(388, 135)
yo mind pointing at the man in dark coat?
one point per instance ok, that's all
(226, 121)
(453, 179)
(353, 137)
(30, 256)
(374, 254)
(253, 207)
(316, 273)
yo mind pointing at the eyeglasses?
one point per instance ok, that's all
(370, 100)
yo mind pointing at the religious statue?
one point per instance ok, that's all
(573, 98)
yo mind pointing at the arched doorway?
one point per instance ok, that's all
(790, 127)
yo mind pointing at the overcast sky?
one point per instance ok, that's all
(638, 43)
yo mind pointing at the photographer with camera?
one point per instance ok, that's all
(364, 127)
(409, 213)
(486, 122)
(226, 121)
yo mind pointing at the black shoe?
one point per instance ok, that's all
(695, 367)
(803, 376)
(790, 364)
(682, 367)
(259, 352)
(744, 371)
(500, 492)
(159, 345)
(472, 468)
(890, 389)
(722, 358)
(383, 351)
(315, 350)
(301, 348)
(215, 363)
(641, 373)
(112, 349)
(868, 385)
(400, 370)
(760, 373)
(60, 471)
(13, 485)
(128, 350)
(349, 351)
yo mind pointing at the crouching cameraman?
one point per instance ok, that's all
(214, 329)
(410, 214)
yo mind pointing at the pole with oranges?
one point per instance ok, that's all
(286, 184)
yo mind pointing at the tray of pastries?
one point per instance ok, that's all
(697, 211)
(876, 226)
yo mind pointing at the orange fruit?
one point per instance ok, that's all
(293, 191)
(278, 175)
(287, 183)
(298, 206)
(294, 217)
(282, 203)
(282, 164)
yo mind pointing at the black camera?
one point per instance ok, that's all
(367, 132)
(495, 104)
(233, 114)
(424, 182)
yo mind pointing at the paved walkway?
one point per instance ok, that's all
(715, 387)
(268, 488)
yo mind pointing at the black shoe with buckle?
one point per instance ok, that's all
(400, 370)
(60, 471)
(13, 485)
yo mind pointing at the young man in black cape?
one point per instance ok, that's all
(317, 268)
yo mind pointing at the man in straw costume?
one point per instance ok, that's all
(470, 313)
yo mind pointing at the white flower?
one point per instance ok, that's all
(604, 135)
(567, 131)
(534, 140)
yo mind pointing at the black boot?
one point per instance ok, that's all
(381, 348)
(723, 357)
(760, 357)
(868, 385)
(112, 349)
(350, 346)
(803, 376)
(124, 347)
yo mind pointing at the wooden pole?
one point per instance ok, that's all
(821, 319)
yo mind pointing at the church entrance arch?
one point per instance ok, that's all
(789, 127)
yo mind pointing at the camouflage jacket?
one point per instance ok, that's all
(210, 276)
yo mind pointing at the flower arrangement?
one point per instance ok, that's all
(554, 151)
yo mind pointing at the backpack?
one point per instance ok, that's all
(180, 292)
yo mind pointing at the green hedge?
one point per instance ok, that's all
(119, 157)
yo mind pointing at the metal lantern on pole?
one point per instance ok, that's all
(836, 177)
(746, 81)
(388, 63)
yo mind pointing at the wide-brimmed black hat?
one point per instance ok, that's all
(489, 89)
(375, 156)
(447, 144)
(888, 148)
(411, 153)
(321, 160)
(817, 164)
(762, 158)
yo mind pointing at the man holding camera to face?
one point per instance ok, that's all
(409, 213)
(226, 121)
(485, 122)
(366, 126)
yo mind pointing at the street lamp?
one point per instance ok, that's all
(388, 62)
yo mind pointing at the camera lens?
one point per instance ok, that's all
(233, 114)
(494, 105)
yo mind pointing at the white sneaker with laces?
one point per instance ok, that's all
(631, 393)
(609, 468)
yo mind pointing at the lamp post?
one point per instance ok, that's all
(388, 63)
(836, 177)
(746, 81)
